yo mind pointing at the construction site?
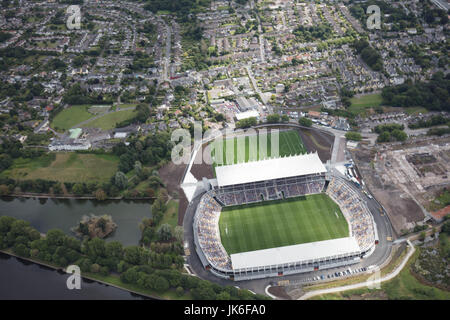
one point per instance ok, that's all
(406, 177)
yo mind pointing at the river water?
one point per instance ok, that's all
(20, 279)
(46, 214)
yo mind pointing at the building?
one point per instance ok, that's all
(245, 104)
(69, 145)
(247, 114)
(275, 179)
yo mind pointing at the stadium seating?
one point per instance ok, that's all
(208, 234)
(355, 211)
(270, 190)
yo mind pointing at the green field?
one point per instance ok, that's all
(281, 223)
(110, 120)
(361, 104)
(290, 143)
(65, 167)
(71, 116)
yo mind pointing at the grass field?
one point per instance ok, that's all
(69, 117)
(110, 120)
(289, 143)
(65, 167)
(361, 104)
(281, 223)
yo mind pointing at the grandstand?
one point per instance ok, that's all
(356, 212)
(271, 179)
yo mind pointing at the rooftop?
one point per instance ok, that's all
(295, 253)
(269, 169)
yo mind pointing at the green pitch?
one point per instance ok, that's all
(251, 148)
(281, 223)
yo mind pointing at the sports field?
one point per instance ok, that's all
(251, 148)
(281, 223)
(70, 117)
(110, 120)
(360, 105)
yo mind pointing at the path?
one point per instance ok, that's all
(388, 277)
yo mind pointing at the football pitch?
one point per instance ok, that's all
(281, 223)
(251, 148)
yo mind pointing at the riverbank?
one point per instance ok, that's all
(89, 277)
(74, 197)
(45, 214)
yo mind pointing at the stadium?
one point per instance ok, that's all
(280, 215)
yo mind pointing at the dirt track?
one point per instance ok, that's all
(171, 175)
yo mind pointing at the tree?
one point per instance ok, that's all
(179, 233)
(179, 291)
(160, 284)
(245, 123)
(385, 136)
(422, 236)
(138, 168)
(21, 250)
(446, 227)
(100, 195)
(223, 296)
(164, 232)
(55, 237)
(120, 180)
(399, 135)
(356, 136)
(132, 255)
(4, 190)
(5, 224)
(114, 249)
(95, 248)
(273, 118)
(305, 122)
(78, 189)
(203, 291)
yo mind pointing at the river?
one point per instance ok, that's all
(46, 214)
(20, 279)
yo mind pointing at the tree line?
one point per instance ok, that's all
(369, 55)
(157, 268)
(432, 95)
(390, 132)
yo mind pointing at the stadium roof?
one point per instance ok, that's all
(269, 169)
(295, 253)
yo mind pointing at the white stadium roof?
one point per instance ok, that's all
(269, 169)
(295, 253)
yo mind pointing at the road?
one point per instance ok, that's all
(364, 284)
(261, 37)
